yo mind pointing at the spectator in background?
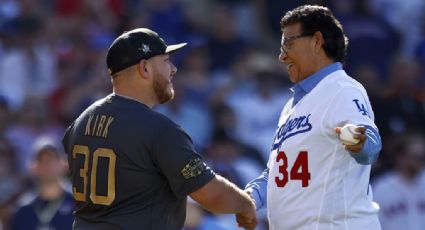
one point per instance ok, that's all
(224, 42)
(4, 116)
(406, 17)
(254, 85)
(236, 162)
(402, 102)
(257, 128)
(25, 47)
(166, 17)
(50, 206)
(400, 192)
(420, 55)
(32, 121)
(196, 77)
(373, 40)
(79, 82)
(225, 122)
(270, 13)
(11, 183)
(193, 117)
(224, 119)
(190, 107)
(64, 105)
(227, 157)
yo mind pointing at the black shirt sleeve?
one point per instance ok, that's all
(175, 156)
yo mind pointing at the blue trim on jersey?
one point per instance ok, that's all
(371, 147)
(258, 188)
(305, 86)
(367, 155)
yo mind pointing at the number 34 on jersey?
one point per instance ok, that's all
(296, 172)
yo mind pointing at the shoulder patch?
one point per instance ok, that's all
(193, 169)
(361, 107)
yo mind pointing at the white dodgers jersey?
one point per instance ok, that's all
(314, 183)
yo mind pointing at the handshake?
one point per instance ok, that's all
(248, 219)
(222, 196)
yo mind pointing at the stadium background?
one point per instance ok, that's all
(230, 87)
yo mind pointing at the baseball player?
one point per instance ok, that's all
(400, 193)
(313, 181)
(131, 167)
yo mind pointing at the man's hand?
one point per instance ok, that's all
(248, 219)
(361, 137)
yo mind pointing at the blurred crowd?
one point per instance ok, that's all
(230, 89)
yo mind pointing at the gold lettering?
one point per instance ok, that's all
(110, 196)
(105, 130)
(94, 125)
(100, 125)
(82, 150)
(83, 174)
(88, 125)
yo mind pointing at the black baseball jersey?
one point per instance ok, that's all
(131, 167)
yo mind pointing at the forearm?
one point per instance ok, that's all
(258, 189)
(222, 196)
(371, 148)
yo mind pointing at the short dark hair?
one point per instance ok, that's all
(319, 18)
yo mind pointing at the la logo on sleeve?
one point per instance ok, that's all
(361, 107)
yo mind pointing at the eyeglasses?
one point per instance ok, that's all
(285, 46)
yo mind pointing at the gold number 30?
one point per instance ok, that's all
(100, 152)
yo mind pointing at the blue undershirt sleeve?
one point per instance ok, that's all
(371, 147)
(258, 189)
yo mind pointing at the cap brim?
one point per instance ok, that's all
(173, 48)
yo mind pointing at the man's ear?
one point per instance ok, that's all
(319, 40)
(142, 67)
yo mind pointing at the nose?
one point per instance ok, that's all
(282, 56)
(173, 69)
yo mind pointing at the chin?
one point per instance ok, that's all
(166, 97)
(171, 96)
(293, 79)
(170, 93)
(296, 78)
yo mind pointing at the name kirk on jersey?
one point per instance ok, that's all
(291, 128)
(99, 126)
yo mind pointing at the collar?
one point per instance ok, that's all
(310, 82)
(126, 97)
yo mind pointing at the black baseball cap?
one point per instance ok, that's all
(132, 46)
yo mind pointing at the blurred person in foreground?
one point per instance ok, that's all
(400, 192)
(132, 167)
(313, 181)
(50, 206)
